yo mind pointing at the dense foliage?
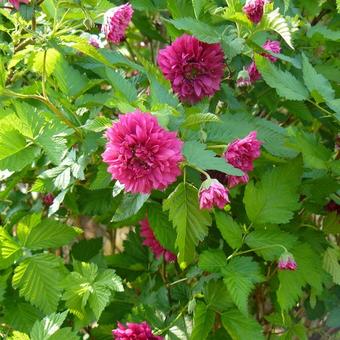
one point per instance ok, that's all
(213, 212)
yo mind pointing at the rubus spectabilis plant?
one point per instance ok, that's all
(169, 169)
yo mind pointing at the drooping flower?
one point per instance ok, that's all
(213, 193)
(151, 242)
(116, 21)
(252, 75)
(16, 3)
(241, 153)
(254, 10)
(194, 68)
(134, 331)
(48, 199)
(141, 154)
(287, 262)
(272, 46)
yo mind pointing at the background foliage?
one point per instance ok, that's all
(64, 273)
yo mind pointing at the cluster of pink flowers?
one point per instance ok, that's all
(254, 10)
(151, 242)
(241, 154)
(134, 331)
(213, 193)
(287, 262)
(252, 73)
(141, 154)
(116, 21)
(194, 68)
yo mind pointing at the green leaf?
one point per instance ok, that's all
(197, 119)
(98, 124)
(70, 81)
(196, 154)
(276, 22)
(272, 238)
(64, 333)
(88, 287)
(102, 179)
(37, 274)
(318, 86)
(51, 59)
(129, 206)
(324, 32)
(48, 233)
(198, 6)
(309, 271)
(213, 260)
(265, 205)
(199, 29)
(240, 276)
(191, 223)
(42, 330)
(162, 227)
(10, 251)
(240, 327)
(217, 297)
(15, 153)
(204, 319)
(284, 82)
(230, 230)
(331, 263)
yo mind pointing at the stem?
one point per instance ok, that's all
(161, 331)
(329, 114)
(198, 169)
(132, 54)
(255, 249)
(221, 146)
(43, 80)
(178, 281)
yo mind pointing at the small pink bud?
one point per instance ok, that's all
(16, 3)
(213, 193)
(287, 262)
(254, 10)
(48, 199)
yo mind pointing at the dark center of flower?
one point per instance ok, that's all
(140, 158)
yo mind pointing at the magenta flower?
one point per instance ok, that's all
(194, 68)
(333, 206)
(116, 21)
(287, 262)
(16, 3)
(141, 154)
(213, 193)
(252, 76)
(254, 10)
(272, 46)
(151, 242)
(48, 199)
(134, 331)
(241, 153)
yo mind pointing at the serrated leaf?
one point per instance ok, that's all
(285, 84)
(199, 118)
(10, 250)
(51, 59)
(309, 271)
(213, 261)
(198, 6)
(190, 222)
(199, 29)
(230, 230)
(88, 287)
(203, 322)
(48, 233)
(129, 206)
(123, 86)
(265, 205)
(42, 330)
(240, 327)
(272, 238)
(196, 154)
(275, 21)
(162, 227)
(240, 276)
(331, 263)
(64, 333)
(38, 274)
(102, 179)
(98, 124)
(217, 297)
(324, 32)
(318, 86)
